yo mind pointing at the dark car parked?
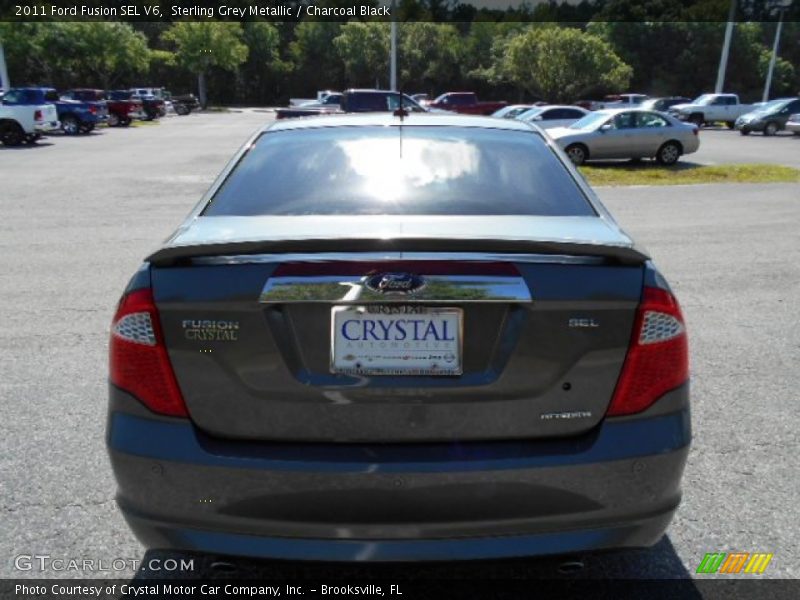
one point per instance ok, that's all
(75, 116)
(356, 101)
(391, 338)
(183, 104)
(769, 118)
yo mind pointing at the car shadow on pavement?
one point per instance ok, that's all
(659, 562)
(643, 165)
(38, 144)
(94, 133)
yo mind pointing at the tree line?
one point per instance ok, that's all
(263, 63)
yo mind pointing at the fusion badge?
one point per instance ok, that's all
(208, 330)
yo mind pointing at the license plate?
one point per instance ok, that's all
(396, 340)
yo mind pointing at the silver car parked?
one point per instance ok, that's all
(627, 134)
(553, 116)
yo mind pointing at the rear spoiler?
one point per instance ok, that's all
(183, 254)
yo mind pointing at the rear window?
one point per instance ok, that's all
(413, 170)
(367, 102)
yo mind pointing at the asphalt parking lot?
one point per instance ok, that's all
(79, 214)
(719, 146)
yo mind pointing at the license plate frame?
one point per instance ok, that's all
(395, 357)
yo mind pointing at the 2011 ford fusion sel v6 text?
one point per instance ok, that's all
(398, 337)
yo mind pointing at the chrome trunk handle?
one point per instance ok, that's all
(398, 288)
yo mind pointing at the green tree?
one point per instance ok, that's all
(316, 63)
(364, 50)
(653, 49)
(260, 76)
(563, 64)
(201, 46)
(23, 52)
(783, 77)
(65, 54)
(429, 56)
(108, 51)
(682, 57)
(485, 50)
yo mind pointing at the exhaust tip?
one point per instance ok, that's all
(221, 566)
(569, 567)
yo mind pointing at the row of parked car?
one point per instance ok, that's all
(765, 117)
(627, 126)
(634, 126)
(610, 133)
(27, 113)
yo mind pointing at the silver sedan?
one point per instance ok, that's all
(629, 133)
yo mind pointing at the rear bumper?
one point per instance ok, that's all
(46, 126)
(158, 535)
(617, 486)
(691, 145)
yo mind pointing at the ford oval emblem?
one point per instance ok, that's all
(395, 283)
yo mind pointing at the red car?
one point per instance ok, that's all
(465, 103)
(121, 111)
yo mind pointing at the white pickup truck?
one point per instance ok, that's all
(710, 108)
(620, 101)
(24, 123)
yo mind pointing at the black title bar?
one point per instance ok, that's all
(386, 10)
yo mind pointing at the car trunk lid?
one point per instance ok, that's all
(250, 322)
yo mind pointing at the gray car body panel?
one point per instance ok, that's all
(181, 489)
(522, 360)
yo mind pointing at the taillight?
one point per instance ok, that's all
(38, 116)
(696, 130)
(138, 360)
(93, 110)
(658, 357)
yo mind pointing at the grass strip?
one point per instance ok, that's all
(686, 173)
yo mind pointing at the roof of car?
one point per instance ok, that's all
(368, 91)
(388, 119)
(550, 106)
(616, 111)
